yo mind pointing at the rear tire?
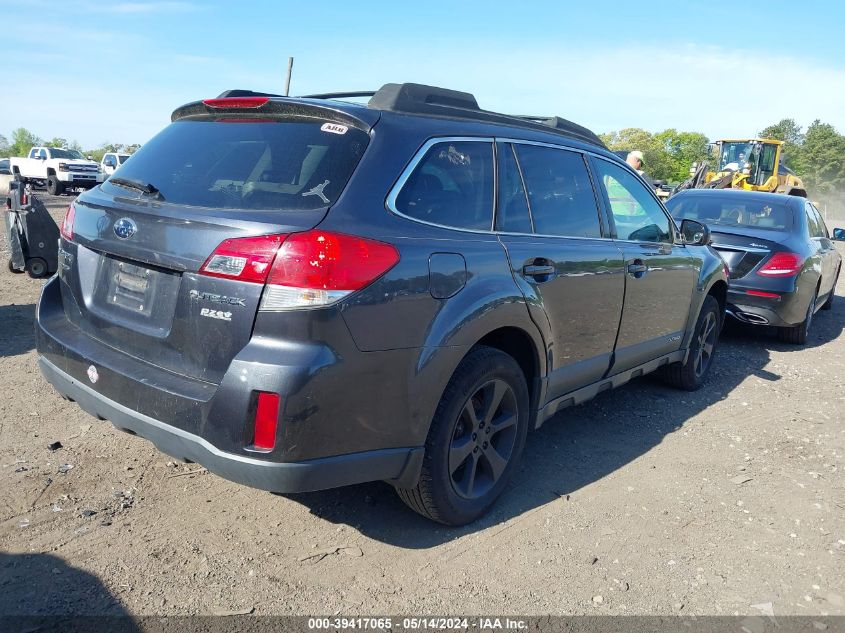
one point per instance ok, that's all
(690, 375)
(475, 440)
(797, 334)
(55, 187)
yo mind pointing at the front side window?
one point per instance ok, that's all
(559, 192)
(452, 185)
(637, 215)
(822, 226)
(814, 223)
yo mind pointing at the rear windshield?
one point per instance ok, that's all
(292, 164)
(731, 211)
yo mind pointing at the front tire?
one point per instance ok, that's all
(55, 187)
(475, 440)
(690, 374)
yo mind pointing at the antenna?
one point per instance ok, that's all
(287, 79)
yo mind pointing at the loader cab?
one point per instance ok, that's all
(758, 159)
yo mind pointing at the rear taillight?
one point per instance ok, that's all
(318, 268)
(244, 259)
(266, 419)
(310, 269)
(227, 103)
(782, 265)
(67, 224)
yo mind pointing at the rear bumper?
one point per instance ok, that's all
(343, 420)
(787, 310)
(398, 465)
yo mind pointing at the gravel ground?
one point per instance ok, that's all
(644, 501)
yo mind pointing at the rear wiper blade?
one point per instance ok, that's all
(137, 186)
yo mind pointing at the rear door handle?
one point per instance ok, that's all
(534, 270)
(637, 269)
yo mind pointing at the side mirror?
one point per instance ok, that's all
(839, 234)
(695, 233)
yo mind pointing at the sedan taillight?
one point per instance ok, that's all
(782, 265)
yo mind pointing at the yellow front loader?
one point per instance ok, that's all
(753, 164)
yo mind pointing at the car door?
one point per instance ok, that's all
(660, 275)
(562, 259)
(825, 248)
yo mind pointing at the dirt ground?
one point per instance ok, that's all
(644, 501)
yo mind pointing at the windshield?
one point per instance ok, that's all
(291, 163)
(715, 209)
(735, 155)
(64, 153)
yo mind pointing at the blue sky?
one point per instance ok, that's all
(113, 70)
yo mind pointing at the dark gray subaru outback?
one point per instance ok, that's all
(303, 293)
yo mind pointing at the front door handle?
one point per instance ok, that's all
(534, 270)
(637, 269)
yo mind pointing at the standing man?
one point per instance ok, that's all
(635, 160)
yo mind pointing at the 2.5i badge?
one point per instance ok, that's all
(216, 314)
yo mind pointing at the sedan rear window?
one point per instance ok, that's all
(731, 211)
(288, 164)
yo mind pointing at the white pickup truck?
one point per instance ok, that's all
(59, 168)
(111, 161)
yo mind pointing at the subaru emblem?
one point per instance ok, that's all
(93, 374)
(124, 228)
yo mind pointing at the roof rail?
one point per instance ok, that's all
(413, 98)
(339, 95)
(431, 100)
(565, 125)
(418, 98)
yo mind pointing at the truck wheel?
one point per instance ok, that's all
(475, 440)
(691, 374)
(55, 187)
(36, 267)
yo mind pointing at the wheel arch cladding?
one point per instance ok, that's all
(719, 291)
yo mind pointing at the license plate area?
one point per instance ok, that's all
(132, 295)
(130, 287)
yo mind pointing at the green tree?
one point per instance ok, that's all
(788, 131)
(821, 159)
(22, 141)
(667, 155)
(4, 146)
(682, 150)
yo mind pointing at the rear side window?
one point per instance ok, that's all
(452, 185)
(513, 215)
(288, 164)
(636, 214)
(559, 192)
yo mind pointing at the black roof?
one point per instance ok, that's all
(411, 98)
(759, 196)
